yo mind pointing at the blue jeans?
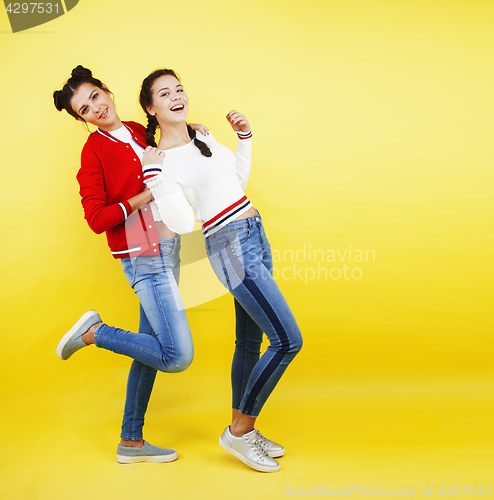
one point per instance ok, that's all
(164, 341)
(240, 256)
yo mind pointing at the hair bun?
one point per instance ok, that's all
(58, 99)
(81, 72)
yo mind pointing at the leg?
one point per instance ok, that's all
(240, 256)
(139, 387)
(248, 339)
(266, 305)
(280, 326)
(170, 349)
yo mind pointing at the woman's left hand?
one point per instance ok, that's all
(238, 121)
(199, 128)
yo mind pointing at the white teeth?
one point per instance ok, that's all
(179, 106)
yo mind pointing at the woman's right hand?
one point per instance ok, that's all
(153, 156)
(238, 121)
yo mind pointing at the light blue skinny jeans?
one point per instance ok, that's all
(164, 341)
(240, 256)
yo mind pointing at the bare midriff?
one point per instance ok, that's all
(250, 213)
(163, 231)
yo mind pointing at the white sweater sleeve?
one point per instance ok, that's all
(243, 160)
(173, 207)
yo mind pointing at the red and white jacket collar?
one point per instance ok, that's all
(132, 133)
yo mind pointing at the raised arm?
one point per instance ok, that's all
(244, 151)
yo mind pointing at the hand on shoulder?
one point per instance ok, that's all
(153, 156)
(202, 129)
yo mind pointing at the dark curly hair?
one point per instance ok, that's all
(146, 99)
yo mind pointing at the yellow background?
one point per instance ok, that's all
(373, 124)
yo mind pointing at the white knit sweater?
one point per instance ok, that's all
(213, 187)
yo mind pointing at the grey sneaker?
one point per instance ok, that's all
(273, 449)
(71, 341)
(148, 453)
(248, 449)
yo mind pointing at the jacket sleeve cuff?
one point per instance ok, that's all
(126, 208)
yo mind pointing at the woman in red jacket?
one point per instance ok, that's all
(116, 201)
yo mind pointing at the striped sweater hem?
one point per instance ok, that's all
(225, 216)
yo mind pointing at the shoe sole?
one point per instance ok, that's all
(124, 459)
(277, 455)
(252, 465)
(69, 334)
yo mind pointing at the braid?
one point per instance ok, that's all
(151, 130)
(203, 147)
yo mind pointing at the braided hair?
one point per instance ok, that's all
(78, 76)
(146, 99)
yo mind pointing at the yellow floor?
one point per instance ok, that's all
(342, 426)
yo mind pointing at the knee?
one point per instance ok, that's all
(293, 341)
(180, 361)
(184, 362)
(290, 343)
(296, 342)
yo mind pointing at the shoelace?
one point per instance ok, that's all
(258, 447)
(262, 441)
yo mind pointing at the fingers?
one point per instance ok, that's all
(153, 150)
(150, 152)
(199, 128)
(234, 117)
(238, 121)
(153, 155)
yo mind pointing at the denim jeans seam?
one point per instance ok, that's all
(151, 281)
(283, 335)
(225, 272)
(119, 342)
(96, 333)
(171, 354)
(244, 380)
(139, 386)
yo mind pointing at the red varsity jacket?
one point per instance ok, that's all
(110, 174)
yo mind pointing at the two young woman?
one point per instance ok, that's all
(116, 201)
(194, 173)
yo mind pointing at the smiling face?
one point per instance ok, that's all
(95, 106)
(170, 102)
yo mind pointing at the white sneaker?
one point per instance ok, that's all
(273, 449)
(249, 449)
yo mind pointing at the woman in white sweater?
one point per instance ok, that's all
(192, 173)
